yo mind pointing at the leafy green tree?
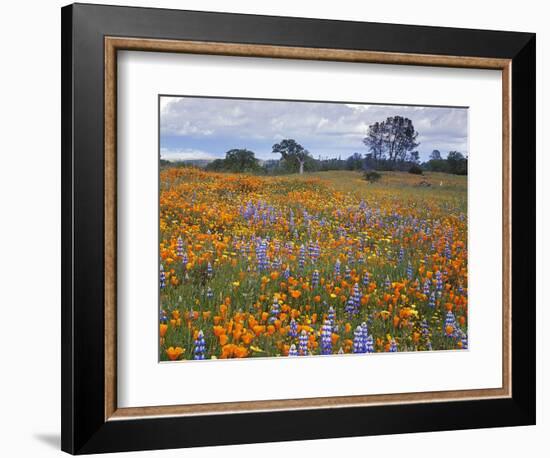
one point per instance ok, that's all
(438, 165)
(414, 157)
(294, 154)
(400, 137)
(241, 160)
(217, 165)
(236, 160)
(458, 164)
(355, 162)
(374, 140)
(392, 139)
(435, 155)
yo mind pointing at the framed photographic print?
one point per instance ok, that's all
(283, 228)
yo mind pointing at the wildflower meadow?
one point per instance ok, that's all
(323, 263)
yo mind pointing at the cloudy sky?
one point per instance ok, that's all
(205, 128)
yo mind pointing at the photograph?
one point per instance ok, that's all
(295, 228)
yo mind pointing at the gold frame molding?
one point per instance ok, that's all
(114, 44)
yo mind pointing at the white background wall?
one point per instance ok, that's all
(30, 224)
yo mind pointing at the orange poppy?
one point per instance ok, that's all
(174, 353)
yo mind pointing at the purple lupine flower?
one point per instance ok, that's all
(369, 344)
(365, 331)
(274, 312)
(326, 338)
(292, 350)
(246, 211)
(432, 300)
(350, 307)
(387, 282)
(315, 279)
(302, 257)
(162, 278)
(438, 281)
(200, 346)
(261, 255)
(348, 273)
(209, 271)
(356, 297)
(337, 268)
(426, 289)
(311, 249)
(401, 255)
(209, 293)
(163, 317)
(366, 279)
(409, 271)
(293, 329)
(314, 251)
(448, 252)
(393, 346)
(286, 273)
(179, 250)
(358, 344)
(302, 343)
(291, 219)
(243, 249)
(331, 315)
(184, 260)
(464, 340)
(450, 321)
(424, 328)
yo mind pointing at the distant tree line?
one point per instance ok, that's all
(236, 160)
(392, 145)
(455, 163)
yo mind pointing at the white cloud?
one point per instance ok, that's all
(321, 127)
(184, 154)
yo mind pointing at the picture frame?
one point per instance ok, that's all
(92, 35)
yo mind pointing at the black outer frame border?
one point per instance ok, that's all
(83, 426)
